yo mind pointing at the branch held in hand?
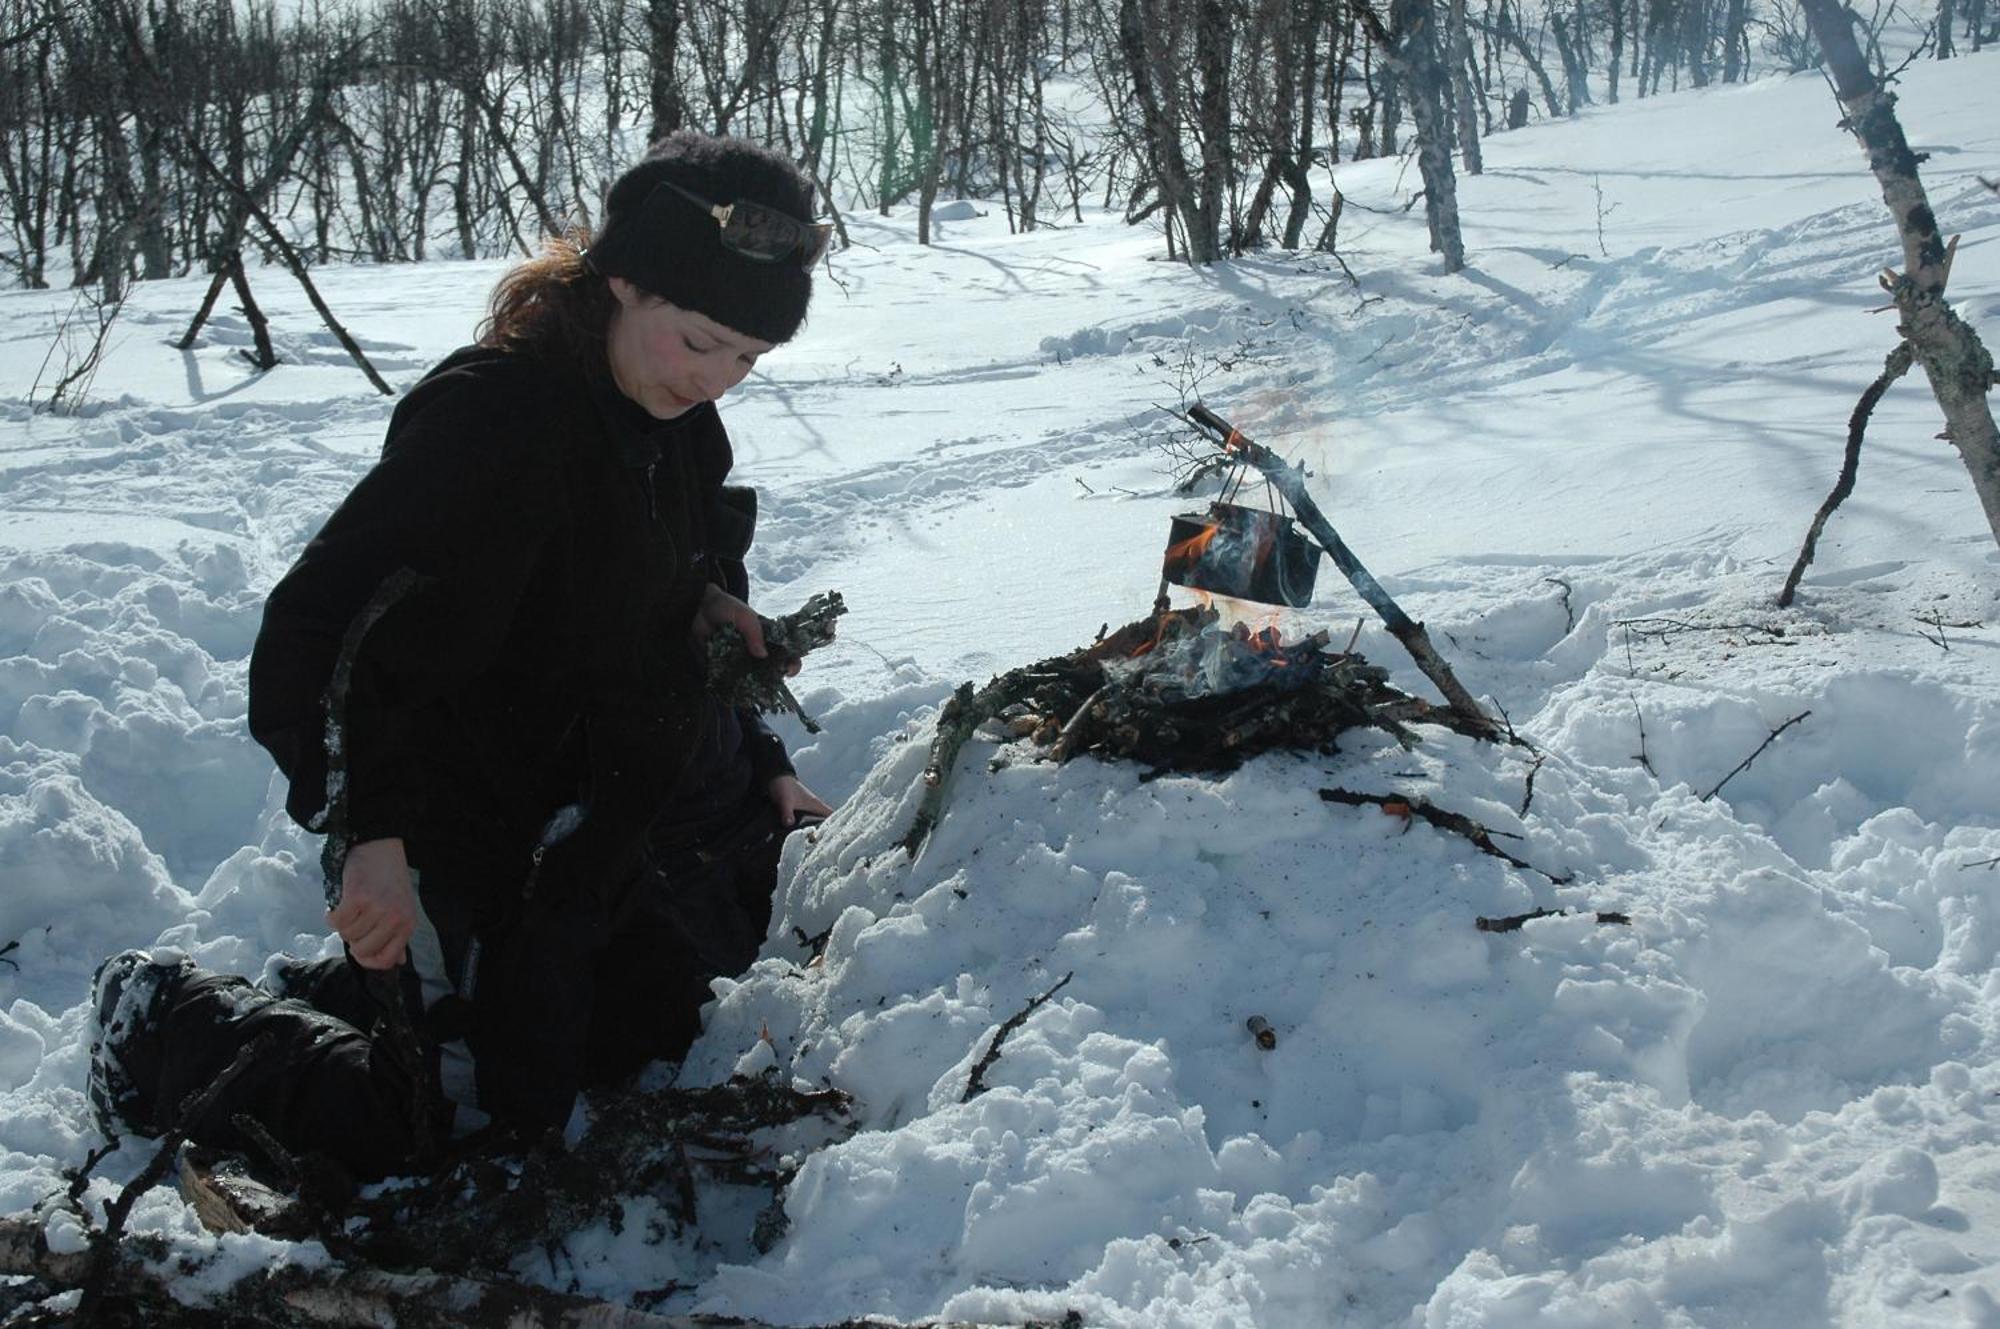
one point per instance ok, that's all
(741, 679)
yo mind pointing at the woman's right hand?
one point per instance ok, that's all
(378, 906)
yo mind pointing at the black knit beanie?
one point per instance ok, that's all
(673, 249)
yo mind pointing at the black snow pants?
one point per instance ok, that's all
(516, 1008)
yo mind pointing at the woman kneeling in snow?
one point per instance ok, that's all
(483, 680)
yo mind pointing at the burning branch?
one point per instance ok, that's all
(1290, 482)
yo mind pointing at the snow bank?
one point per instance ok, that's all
(1769, 1099)
(1449, 1116)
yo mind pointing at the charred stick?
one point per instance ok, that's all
(1290, 482)
(1513, 922)
(1897, 365)
(1067, 739)
(954, 716)
(1744, 765)
(975, 1084)
(281, 1159)
(962, 713)
(293, 1296)
(1457, 823)
(79, 1180)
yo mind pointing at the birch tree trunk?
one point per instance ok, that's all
(1461, 91)
(1958, 365)
(1410, 49)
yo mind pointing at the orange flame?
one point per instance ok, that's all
(1146, 648)
(1189, 551)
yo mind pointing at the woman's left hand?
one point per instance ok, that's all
(720, 609)
(793, 800)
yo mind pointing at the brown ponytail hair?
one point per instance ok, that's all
(552, 305)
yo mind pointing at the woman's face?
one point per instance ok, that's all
(670, 359)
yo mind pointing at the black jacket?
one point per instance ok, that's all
(512, 585)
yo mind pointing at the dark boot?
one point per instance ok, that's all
(127, 997)
(168, 1030)
(333, 986)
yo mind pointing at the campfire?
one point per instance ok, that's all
(1178, 691)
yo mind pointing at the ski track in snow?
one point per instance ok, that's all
(1767, 1101)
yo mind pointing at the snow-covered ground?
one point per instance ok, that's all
(1773, 1099)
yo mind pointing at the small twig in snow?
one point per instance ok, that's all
(1528, 788)
(1513, 922)
(975, 1084)
(1992, 862)
(1897, 365)
(1569, 611)
(1402, 805)
(1645, 761)
(1663, 628)
(1380, 348)
(1744, 765)
(1938, 622)
(1597, 188)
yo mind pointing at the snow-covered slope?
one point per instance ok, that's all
(1586, 462)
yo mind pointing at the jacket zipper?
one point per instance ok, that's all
(549, 838)
(652, 497)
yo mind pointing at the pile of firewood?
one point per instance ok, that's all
(435, 1250)
(1176, 692)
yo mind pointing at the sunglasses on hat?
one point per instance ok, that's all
(757, 232)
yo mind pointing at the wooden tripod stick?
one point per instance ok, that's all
(1290, 481)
